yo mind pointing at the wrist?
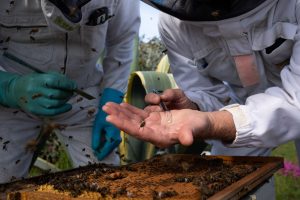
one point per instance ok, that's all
(194, 106)
(222, 126)
(7, 96)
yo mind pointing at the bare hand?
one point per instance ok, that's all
(173, 98)
(156, 127)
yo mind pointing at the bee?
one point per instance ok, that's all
(13, 178)
(91, 111)
(34, 96)
(215, 13)
(6, 142)
(31, 146)
(142, 124)
(34, 30)
(79, 99)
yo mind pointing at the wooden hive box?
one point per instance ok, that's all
(170, 176)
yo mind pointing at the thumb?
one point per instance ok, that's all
(152, 98)
(112, 140)
(96, 135)
(171, 95)
(185, 136)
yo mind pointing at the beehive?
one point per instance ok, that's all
(171, 176)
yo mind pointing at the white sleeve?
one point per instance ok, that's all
(208, 94)
(122, 30)
(271, 118)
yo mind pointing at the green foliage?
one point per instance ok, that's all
(150, 53)
(51, 151)
(63, 161)
(54, 153)
(288, 151)
(287, 187)
(34, 171)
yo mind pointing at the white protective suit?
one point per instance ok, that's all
(24, 32)
(204, 55)
(248, 65)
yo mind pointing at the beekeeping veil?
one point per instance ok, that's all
(204, 10)
(63, 14)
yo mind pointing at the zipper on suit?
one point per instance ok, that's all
(66, 55)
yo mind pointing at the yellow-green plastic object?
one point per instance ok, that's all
(163, 65)
(140, 83)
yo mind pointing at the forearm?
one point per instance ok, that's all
(265, 121)
(191, 125)
(222, 126)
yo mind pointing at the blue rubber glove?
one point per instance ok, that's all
(105, 136)
(43, 94)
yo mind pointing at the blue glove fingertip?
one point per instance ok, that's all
(96, 136)
(105, 136)
(107, 149)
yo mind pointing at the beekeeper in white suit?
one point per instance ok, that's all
(238, 62)
(63, 40)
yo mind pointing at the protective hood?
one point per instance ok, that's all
(63, 15)
(71, 9)
(204, 10)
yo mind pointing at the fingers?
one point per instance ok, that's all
(60, 81)
(124, 123)
(128, 119)
(96, 135)
(37, 93)
(58, 110)
(124, 112)
(109, 138)
(50, 103)
(57, 93)
(152, 98)
(42, 111)
(135, 110)
(172, 95)
(152, 108)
